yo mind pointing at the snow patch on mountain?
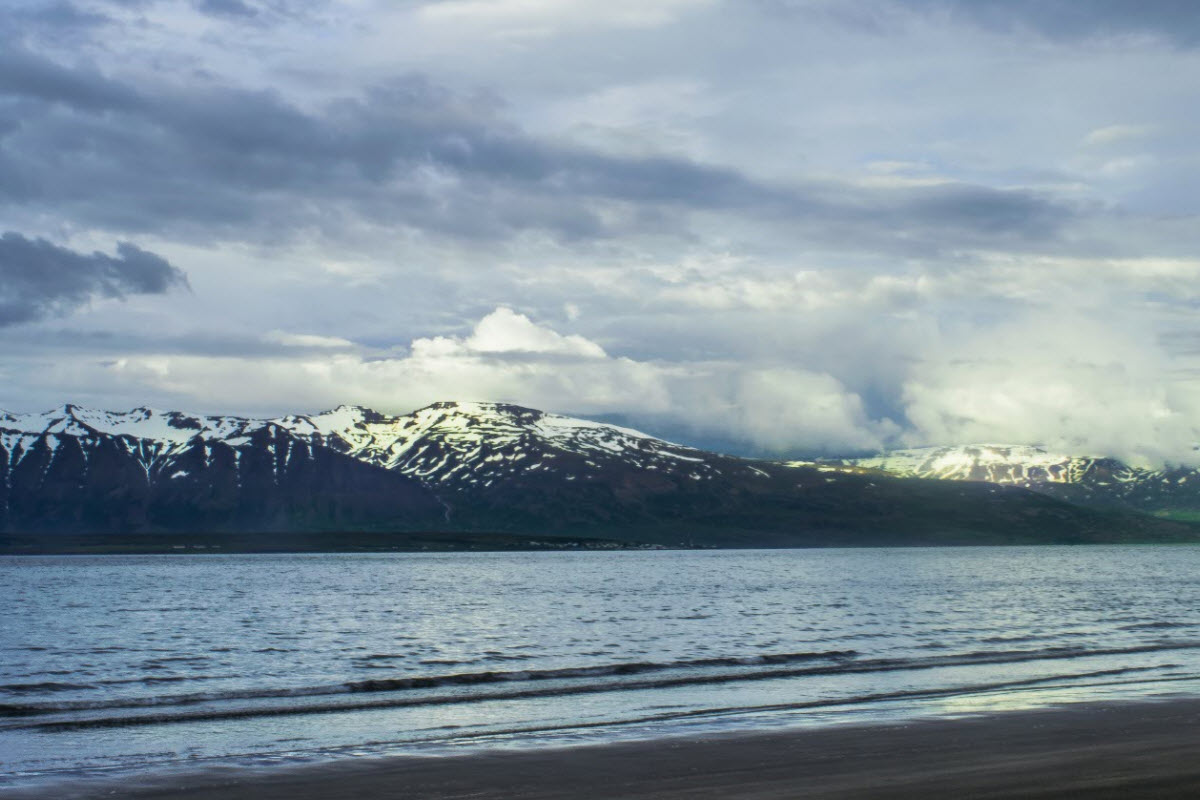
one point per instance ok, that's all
(998, 463)
(168, 427)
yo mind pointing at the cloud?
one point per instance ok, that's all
(38, 279)
(1068, 21)
(505, 331)
(546, 17)
(231, 8)
(308, 340)
(783, 410)
(508, 357)
(58, 19)
(505, 357)
(1112, 134)
(1074, 384)
(806, 290)
(1077, 380)
(212, 161)
(1177, 21)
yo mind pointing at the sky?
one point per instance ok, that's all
(772, 227)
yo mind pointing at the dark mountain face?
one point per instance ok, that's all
(478, 467)
(87, 481)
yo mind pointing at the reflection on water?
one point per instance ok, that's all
(135, 662)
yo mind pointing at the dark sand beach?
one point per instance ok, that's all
(1132, 750)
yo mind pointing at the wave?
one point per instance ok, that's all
(495, 685)
(1158, 625)
(605, 670)
(419, 682)
(43, 686)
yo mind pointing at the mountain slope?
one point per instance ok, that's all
(75, 470)
(1105, 483)
(486, 467)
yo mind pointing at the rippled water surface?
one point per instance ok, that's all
(143, 662)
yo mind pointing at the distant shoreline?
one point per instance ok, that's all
(425, 542)
(275, 542)
(1102, 750)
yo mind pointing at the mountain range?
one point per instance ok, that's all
(490, 472)
(1096, 482)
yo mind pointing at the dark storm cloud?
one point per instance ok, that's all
(217, 161)
(38, 278)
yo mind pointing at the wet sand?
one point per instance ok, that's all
(1134, 750)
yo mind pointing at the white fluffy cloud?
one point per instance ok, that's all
(505, 331)
(508, 357)
(782, 409)
(1071, 384)
(505, 357)
(1058, 377)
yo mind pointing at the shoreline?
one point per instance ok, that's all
(530, 545)
(1098, 750)
(306, 543)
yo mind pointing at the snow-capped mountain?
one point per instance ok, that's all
(444, 443)
(478, 444)
(77, 469)
(477, 467)
(1095, 481)
(151, 437)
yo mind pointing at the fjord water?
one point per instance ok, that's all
(145, 662)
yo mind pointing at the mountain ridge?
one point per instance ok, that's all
(487, 467)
